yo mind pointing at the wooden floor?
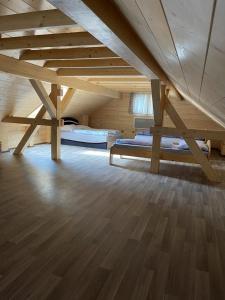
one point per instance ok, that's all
(81, 229)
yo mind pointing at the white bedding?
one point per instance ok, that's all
(86, 134)
(172, 143)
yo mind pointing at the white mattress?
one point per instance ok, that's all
(87, 135)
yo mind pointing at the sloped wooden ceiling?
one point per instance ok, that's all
(17, 97)
(186, 38)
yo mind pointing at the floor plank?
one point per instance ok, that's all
(81, 229)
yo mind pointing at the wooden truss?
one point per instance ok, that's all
(161, 103)
(105, 51)
(55, 107)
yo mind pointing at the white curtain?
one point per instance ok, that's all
(141, 104)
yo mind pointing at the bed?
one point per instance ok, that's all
(171, 148)
(80, 135)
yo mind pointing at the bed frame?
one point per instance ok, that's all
(146, 152)
(84, 144)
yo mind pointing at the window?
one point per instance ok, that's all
(141, 104)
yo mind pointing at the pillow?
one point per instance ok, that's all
(143, 132)
(70, 120)
(68, 127)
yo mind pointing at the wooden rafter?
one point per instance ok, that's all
(24, 69)
(158, 103)
(55, 128)
(121, 79)
(104, 20)
(34, 20)
(77, 39)
(86, 72)
(34, 127)
(24, 120)
(190, 133)
(193, 146)
(67, 53)
(86, 63)
(31, 131)
(46, 100)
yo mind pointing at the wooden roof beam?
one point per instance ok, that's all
(86, 72)
(105, 22)
(68, 53)
(77, 39)
(120, 79)
(30, 121)
(34, 20)
(24, 69)
(86, 63)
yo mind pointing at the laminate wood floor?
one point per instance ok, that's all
(81, 229)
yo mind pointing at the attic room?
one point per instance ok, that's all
(112, 149)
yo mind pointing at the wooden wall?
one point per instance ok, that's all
(17, 98)
(187, 39)
(115, 115)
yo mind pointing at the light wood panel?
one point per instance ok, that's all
(213, 88)
(151, 22)
(84, 103)
(190, 38)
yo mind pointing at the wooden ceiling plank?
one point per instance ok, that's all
(97, 72)
(86, 63)
(34, 20)
(77, 39)
(68, 53)
(24, 69)
(104, 21)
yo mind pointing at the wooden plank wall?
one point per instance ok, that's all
(17, 98)
(187, 39)
(115, 115)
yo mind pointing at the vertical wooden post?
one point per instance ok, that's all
(158, 108)
(55, 129)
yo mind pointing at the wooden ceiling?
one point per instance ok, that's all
(185, 37)
(36, 32)
(178, 41)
